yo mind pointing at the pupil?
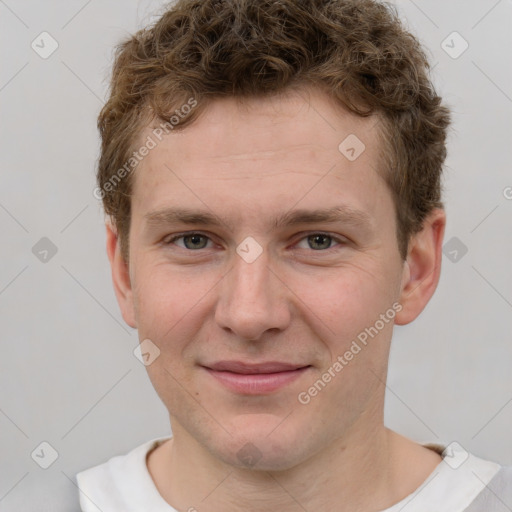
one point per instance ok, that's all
(195, 240)
(316, 239)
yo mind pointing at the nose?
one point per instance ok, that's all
(252, 300)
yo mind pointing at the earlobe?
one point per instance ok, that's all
(120, 276)
(422, 269)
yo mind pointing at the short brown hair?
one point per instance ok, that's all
(357, 50)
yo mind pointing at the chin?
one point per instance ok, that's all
(263, 443)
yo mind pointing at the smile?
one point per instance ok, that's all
(255, 379)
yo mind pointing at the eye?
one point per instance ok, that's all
(190, 240)
(320, 241)
(195, 241)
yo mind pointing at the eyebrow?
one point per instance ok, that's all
(342, 213)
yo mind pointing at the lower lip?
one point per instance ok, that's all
(256, 384)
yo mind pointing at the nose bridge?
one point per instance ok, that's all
(251, 300)
(250, 280)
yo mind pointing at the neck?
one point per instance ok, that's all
(336, 479)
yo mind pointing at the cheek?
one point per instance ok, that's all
(174, 388)
(347, 300)
(173, 306)
(166, 296)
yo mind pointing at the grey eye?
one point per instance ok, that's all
(319, 241)
(195, 241)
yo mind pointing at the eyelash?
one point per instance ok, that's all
(339, 240)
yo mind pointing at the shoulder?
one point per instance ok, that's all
(121, 483)
(462, 482)
(497, 495)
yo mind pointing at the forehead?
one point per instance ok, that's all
(262, 146)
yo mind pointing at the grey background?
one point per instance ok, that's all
(68, 375)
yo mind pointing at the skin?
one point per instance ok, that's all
(247, 163)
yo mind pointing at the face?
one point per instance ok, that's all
(259, 253)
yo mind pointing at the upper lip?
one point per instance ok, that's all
(252, 368)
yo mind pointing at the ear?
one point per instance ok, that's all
(422, 268)
(120, 277)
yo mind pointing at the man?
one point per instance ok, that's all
(271, 172)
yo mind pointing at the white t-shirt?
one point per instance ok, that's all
(461, 482)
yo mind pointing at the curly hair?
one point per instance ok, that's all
(358, 51)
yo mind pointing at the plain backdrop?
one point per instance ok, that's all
(68, 375)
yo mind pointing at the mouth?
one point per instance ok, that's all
(255, 379)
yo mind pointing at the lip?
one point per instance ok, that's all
(255, 379)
